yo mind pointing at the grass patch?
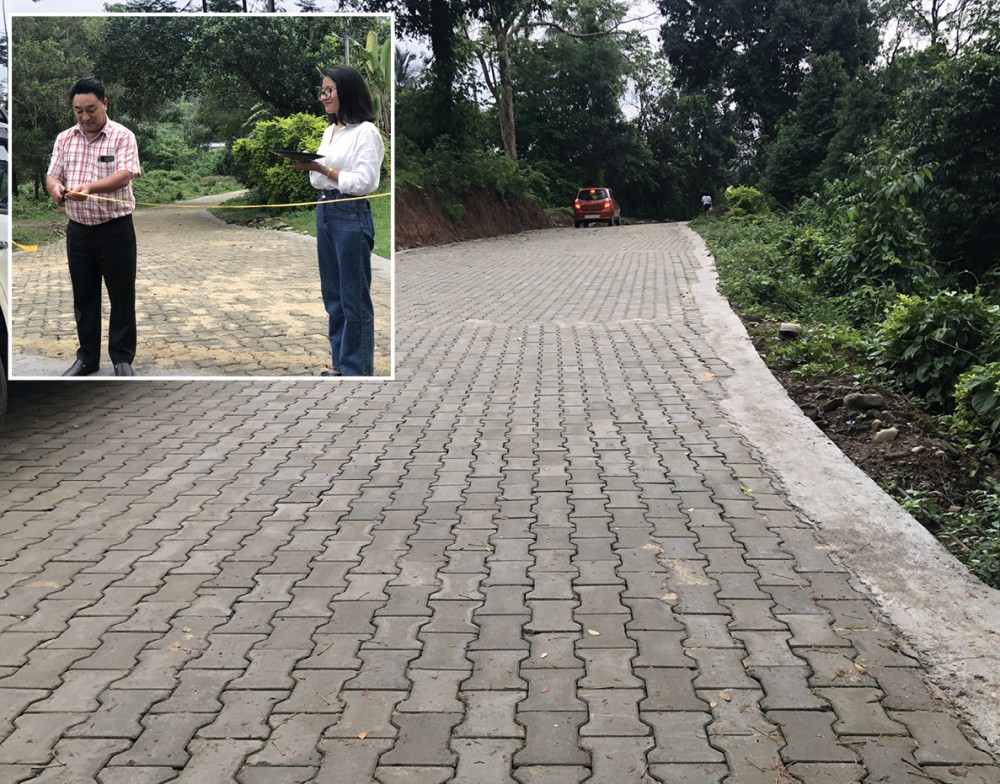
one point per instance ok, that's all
(303, 219)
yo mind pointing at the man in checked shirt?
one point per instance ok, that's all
(98, 156)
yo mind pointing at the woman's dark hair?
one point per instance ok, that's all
(89, 85)
(356, 104)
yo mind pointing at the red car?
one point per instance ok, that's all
(596, 204)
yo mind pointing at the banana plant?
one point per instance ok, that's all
(376, 62)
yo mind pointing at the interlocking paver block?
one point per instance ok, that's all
(367, 712)
(79, 760)
(382, 669)
(828, 773)
(860, 712)
(787, 688)
(551, 738)
(78, 692)
(413, 774)
(197, 691)
(294, 740)
(244, 715)
(496, 670)
(661, 649)
(680, 737)
(164, 740)
(939, 739)
(119, 715)
(132, 774)
(396, 632)
(613, 713)
(423, 740)
(490, 714)
(552, 690)
(500, 633)
(810, 736)
(34, 736)
(216, 760)
(755, 759)
(484, 760)
(551, 774)
(616, 760)
(268, 774)
(434, 691)
(351, 759)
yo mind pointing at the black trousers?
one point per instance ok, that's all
(103, 253)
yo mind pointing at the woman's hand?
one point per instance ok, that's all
(315, 166)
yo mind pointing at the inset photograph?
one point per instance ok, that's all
(201, 196)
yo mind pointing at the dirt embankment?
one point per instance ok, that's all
(421, 217)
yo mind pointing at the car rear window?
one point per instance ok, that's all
(592, 194)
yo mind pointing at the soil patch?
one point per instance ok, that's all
(919, 460)
(424, 218)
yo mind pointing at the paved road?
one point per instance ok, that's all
(212, 299)
(545, 553)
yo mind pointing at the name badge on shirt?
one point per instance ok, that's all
(107, 159)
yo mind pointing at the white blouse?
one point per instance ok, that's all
(356, 151)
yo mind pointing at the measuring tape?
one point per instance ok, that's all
(34, 248)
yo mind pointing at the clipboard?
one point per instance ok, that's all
(295, 155)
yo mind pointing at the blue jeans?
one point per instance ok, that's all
(345, 236)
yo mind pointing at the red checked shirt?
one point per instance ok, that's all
(76, 161)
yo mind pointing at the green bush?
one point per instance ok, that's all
(821, 351)
(453, 170)
(930, 341)
(809, 250)
(973, 535)
(743, 201)
(977, 405)
(880, 233)
(265, 173)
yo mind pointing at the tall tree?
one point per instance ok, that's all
(568, 91)
(752, 53)
(47, 59)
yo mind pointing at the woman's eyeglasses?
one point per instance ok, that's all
(326, 93)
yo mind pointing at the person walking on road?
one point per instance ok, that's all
(706, 202)
(352, 151)
(98, 156)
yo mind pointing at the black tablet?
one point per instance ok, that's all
(295, 155)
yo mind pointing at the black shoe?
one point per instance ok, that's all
(79, 369)
(331, 372)
(123, 369)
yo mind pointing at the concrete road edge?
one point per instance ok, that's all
(950, 618)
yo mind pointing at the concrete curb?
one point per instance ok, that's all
(951, 618)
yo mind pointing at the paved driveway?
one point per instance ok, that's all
(546, 552)
(212, 300)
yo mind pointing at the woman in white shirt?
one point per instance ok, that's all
(352, 151)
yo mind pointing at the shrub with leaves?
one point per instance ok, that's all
(743, 201)
(928, 342)
(977, 406)
(265, 173)
(880, 232)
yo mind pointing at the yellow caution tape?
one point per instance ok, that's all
(34, 248)
(238, 206)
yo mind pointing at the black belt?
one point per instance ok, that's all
(334, 194)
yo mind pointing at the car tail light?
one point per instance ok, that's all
(607, 204)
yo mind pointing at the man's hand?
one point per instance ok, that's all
(80, 194)
(58, 194)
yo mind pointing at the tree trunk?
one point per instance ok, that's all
(506, 98)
